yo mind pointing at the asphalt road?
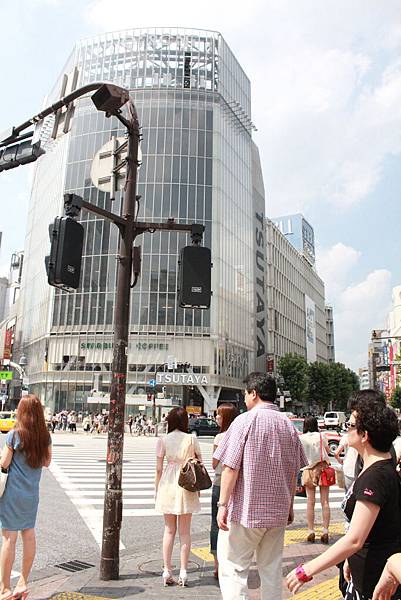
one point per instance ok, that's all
(70, 514)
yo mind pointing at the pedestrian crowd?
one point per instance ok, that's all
(141, 425)
(257, 458)
(67, 420)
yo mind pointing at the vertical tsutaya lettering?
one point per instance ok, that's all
(260, 286)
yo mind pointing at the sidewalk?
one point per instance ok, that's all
(140, 575)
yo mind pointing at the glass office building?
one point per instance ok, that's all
(199, 164)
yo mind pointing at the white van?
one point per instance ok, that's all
(334, 419)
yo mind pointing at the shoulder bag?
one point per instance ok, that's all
(3, 480)
(194, 476)
(300, 490)
(4, 475)
(328, 474)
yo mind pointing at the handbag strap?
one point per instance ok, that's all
(321, 448)
(192, 448)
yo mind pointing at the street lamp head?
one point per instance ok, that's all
(110, 98)
(23, 361)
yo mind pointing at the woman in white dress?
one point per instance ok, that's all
(316, 450)
(173, 501)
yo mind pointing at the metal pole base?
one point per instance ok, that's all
(109, 568)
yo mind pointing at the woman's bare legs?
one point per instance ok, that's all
(170, 529)
(324, 501)
(28, 556)
(184, 530)
(310, 507)
(7, 557)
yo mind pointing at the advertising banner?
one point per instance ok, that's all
(8, 343)
(310, 329)
(259, 261)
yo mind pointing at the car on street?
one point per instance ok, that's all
(333, 437)
(334, 419)
(203, 426)
(7, 421)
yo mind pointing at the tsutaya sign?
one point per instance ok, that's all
(182, 379)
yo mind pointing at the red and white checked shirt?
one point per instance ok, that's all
(264, 446)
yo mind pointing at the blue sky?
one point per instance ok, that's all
(326, 88)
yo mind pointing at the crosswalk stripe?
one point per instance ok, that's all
(81, 473)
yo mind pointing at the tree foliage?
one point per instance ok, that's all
(323, 384)
(293, 369)
(395, 399)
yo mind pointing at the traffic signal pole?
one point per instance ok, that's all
(113, 503)
(109, 99)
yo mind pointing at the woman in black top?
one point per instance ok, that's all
(372, 505)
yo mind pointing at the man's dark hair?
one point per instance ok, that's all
(365, 396)
(379, 421)
(264, 385)
(310, 424)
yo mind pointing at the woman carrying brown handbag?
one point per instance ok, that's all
(316, 450)
(176, 503)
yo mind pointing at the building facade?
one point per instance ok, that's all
(363, 374)
(331, 354)
(199, 164)
(299, 233)
(3, 297)
(296, 314)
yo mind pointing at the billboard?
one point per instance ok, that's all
(310, 329)
(8, 344)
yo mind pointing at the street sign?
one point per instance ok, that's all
(6, 375)
(152, 382)
(171, 363)
(108, 168)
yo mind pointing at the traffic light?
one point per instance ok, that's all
(149, 397)
(63, 266)
(19, 154)
(195, 277)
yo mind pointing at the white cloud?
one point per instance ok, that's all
(359, 305)
(360, 308)
(326, 87)
(334, 266)
(208, 14)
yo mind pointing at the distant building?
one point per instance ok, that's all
(14, 280)
(299, 233)
(363, 375)
(3, 296)
(296, 315)
(331, 357)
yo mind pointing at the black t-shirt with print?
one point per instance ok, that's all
(380, 485)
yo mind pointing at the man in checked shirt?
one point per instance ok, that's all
(261, 456)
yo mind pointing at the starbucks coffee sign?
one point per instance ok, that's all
(182, 379)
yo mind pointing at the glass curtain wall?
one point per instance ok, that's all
(193, 103)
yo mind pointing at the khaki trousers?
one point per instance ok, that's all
(235, 550)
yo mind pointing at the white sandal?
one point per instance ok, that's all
(167, 578)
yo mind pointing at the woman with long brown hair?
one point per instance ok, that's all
(26, 451)
(226, 414)
(173, 501)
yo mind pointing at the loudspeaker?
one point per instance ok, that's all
(195, 277)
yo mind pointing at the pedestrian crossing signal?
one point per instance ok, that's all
(63, 266)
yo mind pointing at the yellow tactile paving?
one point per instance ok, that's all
(292, 536)
(328, 590)
(295, 536)
(76, 596)
(203, 553)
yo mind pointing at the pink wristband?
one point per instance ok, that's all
(301, 575)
